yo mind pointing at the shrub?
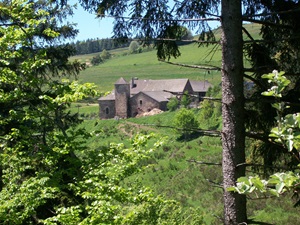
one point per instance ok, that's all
(185, 100)
(173, 104)
(134, 47)
(185, 122)
(96, 60)
(105, 55)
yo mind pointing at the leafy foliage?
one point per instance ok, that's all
(210, 111)
(38, 137)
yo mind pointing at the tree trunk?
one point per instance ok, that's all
(233, 133)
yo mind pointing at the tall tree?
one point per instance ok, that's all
(233, 131)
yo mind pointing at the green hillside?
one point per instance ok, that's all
(146, 65)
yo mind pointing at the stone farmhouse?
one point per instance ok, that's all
(129, 99)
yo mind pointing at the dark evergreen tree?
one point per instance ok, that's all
(277, 49)
(92, 46)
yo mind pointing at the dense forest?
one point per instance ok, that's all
(97, 45)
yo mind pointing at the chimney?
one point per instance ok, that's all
(133, 85)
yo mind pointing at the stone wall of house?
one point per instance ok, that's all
(122, 95)
(141, 103)
(107, 109)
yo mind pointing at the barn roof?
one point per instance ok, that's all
(159, 96)
(172, 85)
(200, 86)
(110, 96)
(160, 90)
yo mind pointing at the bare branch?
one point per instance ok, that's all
(166, 39)
(11, 24)
(188, 41)
(193, 66)
(219, 185)
(212, 51)
(259, 136)
(253, 80)
(260, 198)
(270, 101)
(212, 99)
(204, 163)
(241, 164)
(261, 165)
(191, 95)
(211, 133)
(248, 34)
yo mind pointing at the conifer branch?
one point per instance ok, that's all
(273, 13)
(213, 18)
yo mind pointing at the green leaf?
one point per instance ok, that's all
(268, 93)
(280, 187)
(269, 76)
(274, 192)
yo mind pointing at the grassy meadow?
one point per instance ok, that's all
(172, 170)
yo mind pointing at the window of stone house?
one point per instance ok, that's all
(107, 110)
(141, 102)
